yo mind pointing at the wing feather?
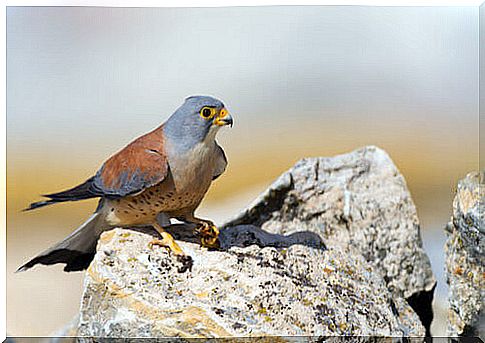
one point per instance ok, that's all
(141, 164)
(138, 166)
(221, 162)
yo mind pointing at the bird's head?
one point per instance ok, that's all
(198, 119)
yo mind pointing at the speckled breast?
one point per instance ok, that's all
(144, 207)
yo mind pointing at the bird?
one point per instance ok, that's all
(159, 176)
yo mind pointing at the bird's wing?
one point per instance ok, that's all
(83, 191)
(141, 164)
(221, 162)
(138, 166)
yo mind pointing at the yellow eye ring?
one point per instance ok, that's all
(207, 112)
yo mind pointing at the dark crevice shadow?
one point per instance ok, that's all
(241, 236)
(422, 304)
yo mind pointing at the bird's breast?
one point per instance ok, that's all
(190, 176)
(193, 169)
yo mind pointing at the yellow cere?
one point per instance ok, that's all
(221, 115)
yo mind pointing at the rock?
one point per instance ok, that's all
(357, 200)
(258, 284)
(331, 248)
(465, 258)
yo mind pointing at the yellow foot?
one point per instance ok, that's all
(168, 242)
(209, 235)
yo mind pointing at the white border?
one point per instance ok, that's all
(3, 177)
(147, 3)
(228, 3)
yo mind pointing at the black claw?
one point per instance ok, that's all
(187, 263)
(216, 246)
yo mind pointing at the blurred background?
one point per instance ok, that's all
(299, 81)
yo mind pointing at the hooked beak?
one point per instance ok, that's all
(224, 118)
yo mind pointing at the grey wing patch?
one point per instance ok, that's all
(221, 162)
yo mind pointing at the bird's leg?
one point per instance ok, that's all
(168, 242)
(209, 233)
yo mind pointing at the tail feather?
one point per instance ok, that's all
(39, 204)
(76, 251)
(74, 260)
(83, 191)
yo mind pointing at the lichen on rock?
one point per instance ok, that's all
(465, 258)
(134, 291)
(331, 248)
(357, 199)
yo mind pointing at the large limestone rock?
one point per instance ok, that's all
(465, 258)
(331, 248)
(283, 289)
(360, 200)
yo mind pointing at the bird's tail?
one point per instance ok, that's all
(76, 250)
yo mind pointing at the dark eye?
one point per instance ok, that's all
(206, 112)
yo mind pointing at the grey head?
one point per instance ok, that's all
(198, 119)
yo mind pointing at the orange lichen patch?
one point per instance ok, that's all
(112, 289)
(202, 295)
(467, 199)
(458, 271)
(197, 322)
(195, 316)
(107, 236)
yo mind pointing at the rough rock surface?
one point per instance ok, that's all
(357, 199)
(274, 274)
(465, 258)
(292, 286)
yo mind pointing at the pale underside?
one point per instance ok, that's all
(177, 196)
